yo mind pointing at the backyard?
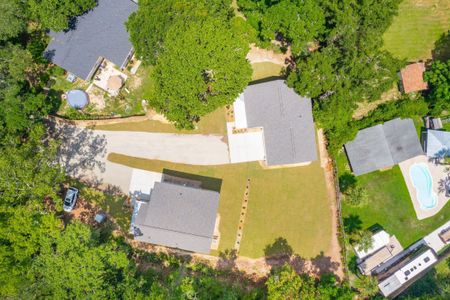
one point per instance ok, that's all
(101, 104)
(287, 203)
(416, 28)
(389, 205)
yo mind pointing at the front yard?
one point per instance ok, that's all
(287, 203)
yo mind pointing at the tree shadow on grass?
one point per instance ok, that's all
(280, 247)
(441, 49)
(280, 253)
(352, 224)
(323, 264)
(346, 181)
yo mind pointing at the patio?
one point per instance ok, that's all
(439, 175)
(109, 79)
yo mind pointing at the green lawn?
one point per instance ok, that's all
(290, 203)
(446, 126)
(265, 70)
(416, 28)
(213, 123)
(389, 205)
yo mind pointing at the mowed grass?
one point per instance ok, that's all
(416, 28)
(266, 70)
(389, 206)
(290, 203)
(213, 123)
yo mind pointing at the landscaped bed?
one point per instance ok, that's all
(288, 203)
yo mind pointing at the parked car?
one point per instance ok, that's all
(71, 199)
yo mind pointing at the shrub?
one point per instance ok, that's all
(357, 196)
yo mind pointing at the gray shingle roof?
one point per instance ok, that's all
(383, 146)
(100, 32)
(287, 122)
(179, 217)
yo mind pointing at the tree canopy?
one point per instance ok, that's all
(149, 24)
(202, 68)
(57, 14)
(75, 265)
(285, 283)
(199, 51)
(13, 19)
(293, 22)
(438, 78)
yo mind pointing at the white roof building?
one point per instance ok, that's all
(384, 247)
(379, 240)
(407, 272)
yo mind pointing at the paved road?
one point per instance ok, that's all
(83, 152)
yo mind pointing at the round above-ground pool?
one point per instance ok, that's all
(77, 99)
(423, 183)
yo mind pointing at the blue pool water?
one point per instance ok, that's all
(423, 182)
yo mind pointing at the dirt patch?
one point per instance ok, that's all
(96, 97)
(134, 82)
(258, 55)
(365, 107)
(84, 212)
(334, 251)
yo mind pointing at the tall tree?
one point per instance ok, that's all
(294, 22)
(13, 20)
(285, 283)
(75, 265)
(149, 24)
(438, 78)
(367, 286)
(349, 67)
(203, 67)
(57, 14)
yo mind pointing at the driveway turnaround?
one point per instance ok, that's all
(83, 152)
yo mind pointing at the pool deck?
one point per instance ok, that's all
(439, 175)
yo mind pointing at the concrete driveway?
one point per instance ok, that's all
(83, 152)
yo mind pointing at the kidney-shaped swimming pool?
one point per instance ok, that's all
(423, 183)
